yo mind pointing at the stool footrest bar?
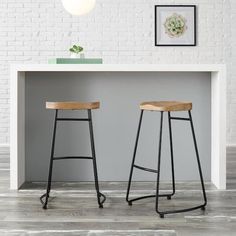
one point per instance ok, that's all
(145, 169)
(179, 118)
(73, 119)
(72, 157)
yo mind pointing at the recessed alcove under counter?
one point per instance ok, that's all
(120, 89)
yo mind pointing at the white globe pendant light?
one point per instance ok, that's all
(78, 7)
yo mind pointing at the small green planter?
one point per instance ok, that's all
(75, 61)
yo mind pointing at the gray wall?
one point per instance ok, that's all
(115, 124)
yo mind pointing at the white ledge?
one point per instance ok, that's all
(119, 67)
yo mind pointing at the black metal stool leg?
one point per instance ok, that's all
(46, 195)
(172, 158)
(133, 160)
(198, 162)
(159, 167)
(99, 194)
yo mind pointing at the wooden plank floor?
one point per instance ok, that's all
(73, 209)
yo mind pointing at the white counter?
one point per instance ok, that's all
(218, 110)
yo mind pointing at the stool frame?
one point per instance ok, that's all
(168, 196)
(93, 158)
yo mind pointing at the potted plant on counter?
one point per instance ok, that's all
(76, 51)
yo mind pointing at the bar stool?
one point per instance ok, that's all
(73, 106)
(165, 106)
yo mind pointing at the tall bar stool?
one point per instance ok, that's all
(165, 106)
(73, 106)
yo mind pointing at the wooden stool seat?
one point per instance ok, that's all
(73, 105)
(166, 106)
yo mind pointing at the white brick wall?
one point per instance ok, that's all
(119, 31)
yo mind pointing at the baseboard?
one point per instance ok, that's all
(4, 148)
(233, 145)
(231, 148)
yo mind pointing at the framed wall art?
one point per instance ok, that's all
(175, 25)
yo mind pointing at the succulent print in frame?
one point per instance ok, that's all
(175, 25)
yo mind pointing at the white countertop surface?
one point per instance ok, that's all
(118, 67)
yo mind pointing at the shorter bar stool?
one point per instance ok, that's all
(166, 106)
(73, 106)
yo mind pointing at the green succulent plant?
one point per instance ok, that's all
(175, 25)
(76, 49)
